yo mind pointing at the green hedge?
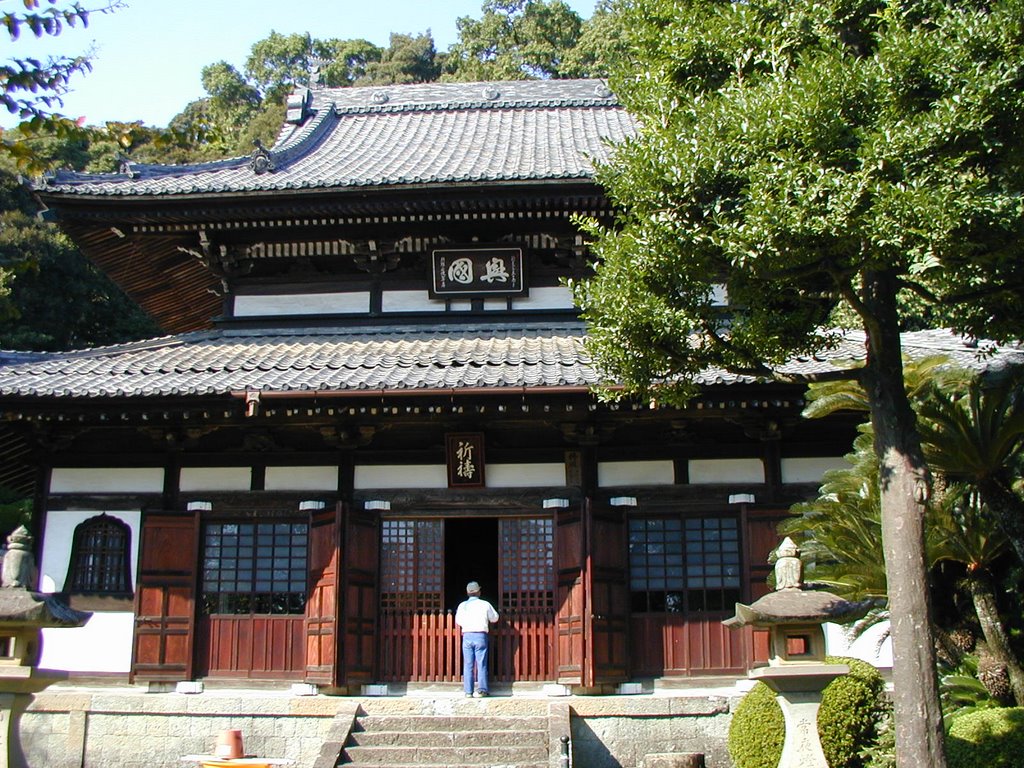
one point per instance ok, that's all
(846, 720)
(993, 738)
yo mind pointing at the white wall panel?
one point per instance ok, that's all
(525, 475)
(215, 479)
(401, 476)
(612, 473)
(302, 304)
(810, 469)
(104, 644)
(552, 297)
(410, 301)
(706, 471)
(107, 480)
(58, 536)
(301, 479)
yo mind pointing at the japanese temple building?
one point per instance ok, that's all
(374, 389)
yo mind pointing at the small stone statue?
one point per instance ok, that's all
(788, 566)
(19, 564)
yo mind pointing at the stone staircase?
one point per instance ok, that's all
(490, 733)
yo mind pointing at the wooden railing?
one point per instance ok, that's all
(426, 646)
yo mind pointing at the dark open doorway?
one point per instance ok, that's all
(470, 554)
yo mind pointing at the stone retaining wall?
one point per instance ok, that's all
(129, 728)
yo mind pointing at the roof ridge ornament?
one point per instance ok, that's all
(380, 97)
(491, 93)
(316, 71)
(125, 166)
(261, 161)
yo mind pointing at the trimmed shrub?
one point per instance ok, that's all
(850, 706)
(756, 730)
(993, 738)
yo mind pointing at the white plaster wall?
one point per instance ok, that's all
(874, 646)
(552, 297)
(612, 473)
(301, 479)
(302, 304)
(811, 469)
(104, 644)
(705, 471)
(410, 301)
(525, 475)
(401, 476)
(106, 480)
(58, 535)
(215, 479)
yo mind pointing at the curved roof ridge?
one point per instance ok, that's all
(484, 94)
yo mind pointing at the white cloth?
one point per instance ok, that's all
(475, 615)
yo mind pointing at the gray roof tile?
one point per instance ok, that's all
(438, 133)
(217, 363)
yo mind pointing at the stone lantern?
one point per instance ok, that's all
(22, 614)
(796, 670)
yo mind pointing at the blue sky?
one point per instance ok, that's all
(148, 55)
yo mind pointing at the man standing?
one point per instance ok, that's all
(474, 617)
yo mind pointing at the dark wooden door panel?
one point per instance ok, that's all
(359, 598)
(321, 621)
(165, 597)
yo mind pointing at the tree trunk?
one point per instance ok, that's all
(995, 635)
(904, 492)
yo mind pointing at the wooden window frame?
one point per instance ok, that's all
(669, 581)
(86, 578)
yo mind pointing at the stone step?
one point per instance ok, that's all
(456, 707)
(447, 723)
(448, 756)
(511, 737)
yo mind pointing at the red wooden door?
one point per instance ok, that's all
(570, 596)
(322, 605)
(165, 598)
(359, 598)
(607, 596)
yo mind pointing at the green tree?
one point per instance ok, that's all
(975, 436)
(32, 88)
(514, 40)
(601, 42)
(408, 59)
(806, 155)
(279, 62)
(347, 60)
(841, 533)
(55, 299)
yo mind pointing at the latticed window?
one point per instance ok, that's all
(256, 568)
(527, 563)
(100, 557)
(412, 565)
(679, 564)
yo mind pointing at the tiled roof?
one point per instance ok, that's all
(219, 362)
(405, 135)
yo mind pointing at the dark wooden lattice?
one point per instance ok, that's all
(99, 561)
(527, 564)
(412, 565)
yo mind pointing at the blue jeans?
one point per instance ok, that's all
(474, 660)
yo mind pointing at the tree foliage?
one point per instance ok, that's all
(514, 40)
(806, 155)
(56, 299)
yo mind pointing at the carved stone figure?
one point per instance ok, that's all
(19, 564)
(788, 567)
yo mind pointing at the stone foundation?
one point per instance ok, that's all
(131, 728)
